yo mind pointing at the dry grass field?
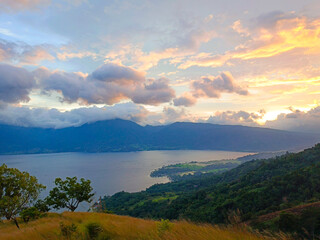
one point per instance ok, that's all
(102, 226)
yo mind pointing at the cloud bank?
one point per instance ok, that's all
(237, 118)
(298, 121)
(52, 118)
(109, 84)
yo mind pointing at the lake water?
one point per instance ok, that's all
(108, 172)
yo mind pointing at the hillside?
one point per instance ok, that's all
(254, 188)
(106, 226)
(121, 135)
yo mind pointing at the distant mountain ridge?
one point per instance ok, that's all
(119, 135)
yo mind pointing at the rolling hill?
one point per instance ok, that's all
(88, 226)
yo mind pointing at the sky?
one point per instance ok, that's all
(250, 62)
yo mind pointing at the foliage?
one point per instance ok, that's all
(163, 226)
(30, 213)
(254, 188)
(70, 193)
(288, 222)
(176, 172)
(68, 231)
(17, 191)
(42, 206)
(93, 230)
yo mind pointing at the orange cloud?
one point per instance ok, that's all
(35, 56)
(186, 46)
(67, 55)
(284, 36)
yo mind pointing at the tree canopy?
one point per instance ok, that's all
(70, 193)
(17, 191)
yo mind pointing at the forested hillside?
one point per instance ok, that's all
(254, 188)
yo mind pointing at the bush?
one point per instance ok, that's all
(30, 213)
(68, 231)
(288, 222)
(93, 230)
(164, 225)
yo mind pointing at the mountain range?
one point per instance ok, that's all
(119, 135)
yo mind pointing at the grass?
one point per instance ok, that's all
(107, 226)
(161, 198)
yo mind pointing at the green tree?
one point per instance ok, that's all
(30, 213)
(70, 193)
(288, 222)
(17, 191)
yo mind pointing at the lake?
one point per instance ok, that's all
(108, 172)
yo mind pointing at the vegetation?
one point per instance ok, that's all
(30, 213)
(19, 194)
(70, 193)
(182, 171)
(280, 194)
(17, 191)
(254, 188)
(301, 221)
(85, 226)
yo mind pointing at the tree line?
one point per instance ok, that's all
(19, 194)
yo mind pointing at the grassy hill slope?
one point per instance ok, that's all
(107, 226)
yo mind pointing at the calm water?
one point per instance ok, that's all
(108, 172)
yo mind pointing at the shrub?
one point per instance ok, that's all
(288, 222)
(68, 231)
(30, 213)
(93, 230)
(164, 225)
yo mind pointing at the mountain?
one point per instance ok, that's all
(122, 135)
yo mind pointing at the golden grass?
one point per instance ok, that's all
(122, 227)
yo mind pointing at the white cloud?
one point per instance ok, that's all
(297, 120)
(52, 118)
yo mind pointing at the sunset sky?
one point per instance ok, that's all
(249, 62)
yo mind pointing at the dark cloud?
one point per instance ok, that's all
(119, 74)
(154, 93)
(15, 84)
(212, 87)
(109, 84)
